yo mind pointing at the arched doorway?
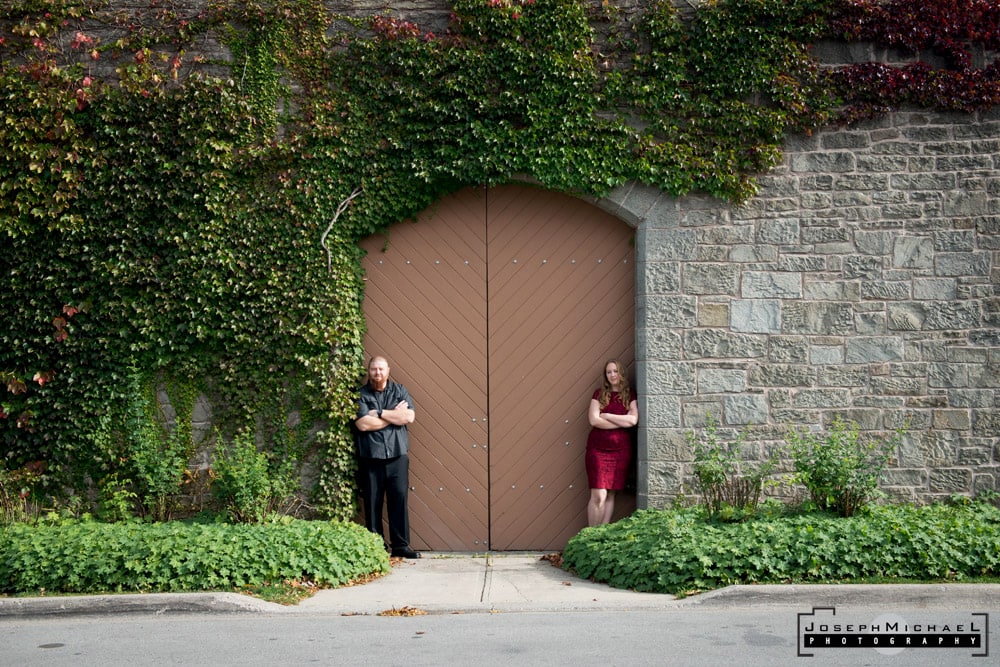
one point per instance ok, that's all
(497, 309)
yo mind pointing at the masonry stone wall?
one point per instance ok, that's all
(862, 282)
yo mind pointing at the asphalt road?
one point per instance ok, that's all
(751, 637)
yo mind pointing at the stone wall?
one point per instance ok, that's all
(862, 282)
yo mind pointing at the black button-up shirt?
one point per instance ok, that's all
(391, 441)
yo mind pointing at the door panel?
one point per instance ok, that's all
(497, 310)
(425, 306)
(561, 301)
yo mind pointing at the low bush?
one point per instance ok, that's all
(730, 488)
(92, 557)
(841, 468)
(680, 551)
(248, 484)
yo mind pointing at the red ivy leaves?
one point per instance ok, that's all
(60, 322)
(946, 28)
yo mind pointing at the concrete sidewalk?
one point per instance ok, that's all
(507, 583)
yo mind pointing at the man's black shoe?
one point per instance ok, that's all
(405, 552)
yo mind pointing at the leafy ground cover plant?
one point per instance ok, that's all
(92, 557)
(840, 468)
(681, 551)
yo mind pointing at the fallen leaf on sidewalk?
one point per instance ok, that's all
(554, 558)
(403, 611)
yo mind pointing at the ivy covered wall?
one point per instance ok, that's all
(182, 184)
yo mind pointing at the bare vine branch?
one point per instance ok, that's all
(340, 209)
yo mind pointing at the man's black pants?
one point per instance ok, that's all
(387, 480)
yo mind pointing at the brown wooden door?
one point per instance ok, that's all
(497, 310)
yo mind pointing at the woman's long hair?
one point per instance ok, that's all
(624, 393)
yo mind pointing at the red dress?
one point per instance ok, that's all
(609, 451)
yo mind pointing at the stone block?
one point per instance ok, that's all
(755, 315)
(721, 380)
(986, 422)
(788, 349)
(698, 414)
(873, 243)
(906, 477)
(962, 203)
(660, 344)
(817, 318)
(670, 244)
(801, 263)
(973, 398)
(661, 411)
(867, 350)
(935, 182)
(827, 398)
(746, 254)
(745, 409)
(897, 386)
(771, 285)
(929, 448)
(934, 289)
(842, 376)
(827, 162)
(824, 290)
(862, 266)
(778, 232)
(947, 375)
(962, 264)
(933, 315)
(710, 278)
(955, 241)
(660, 278)
(826, 354)
(664, 477)
(713, 314)
(950, 480)
(709, 343)
(954, 419)
(677, 378)
(825, 234)
(728, 235)
(913, 252)
(669, 311)
(867, 419)
(884, 290)
(781, 375)
(976, 455)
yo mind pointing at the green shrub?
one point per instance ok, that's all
(679, 551)
(91, 557)
(250, 487)
(15, 494)
(728, 489)
(117, 499)
(839, 468)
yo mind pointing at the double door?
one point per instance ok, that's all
(497, 308)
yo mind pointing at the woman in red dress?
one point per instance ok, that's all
(613, 411)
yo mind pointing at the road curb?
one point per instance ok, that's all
(968, 597)
(154, 603)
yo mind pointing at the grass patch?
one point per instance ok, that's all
(683, 551)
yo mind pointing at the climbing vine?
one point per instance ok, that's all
(183, 184)
(951, 31)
